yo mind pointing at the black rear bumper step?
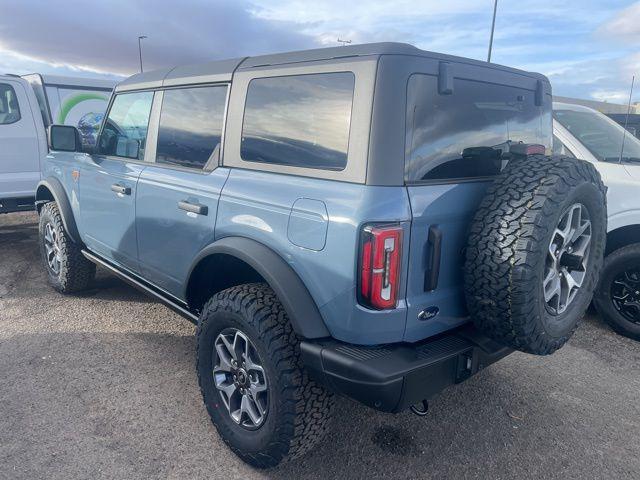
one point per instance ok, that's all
(393, 377)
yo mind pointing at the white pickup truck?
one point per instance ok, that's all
(587, 134)
(28, 105)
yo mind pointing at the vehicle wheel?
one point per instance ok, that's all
(68, 270)
(259, 396)
(535, 252)
(617, 297)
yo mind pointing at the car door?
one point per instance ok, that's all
(178, 192)
(19, 142)
(109, 178)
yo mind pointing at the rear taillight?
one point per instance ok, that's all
(380, 260)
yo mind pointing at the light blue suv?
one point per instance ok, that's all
(375, 220)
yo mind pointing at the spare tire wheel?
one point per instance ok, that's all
(535, 251)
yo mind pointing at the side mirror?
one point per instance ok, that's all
(64, 138)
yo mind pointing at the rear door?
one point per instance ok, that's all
(454, 146)
(109, 179)
(19, 142)
(177, 198)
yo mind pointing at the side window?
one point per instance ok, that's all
(191, 127)
(300, 120)
(464, 135)
(125, 130)
(9, 108)
(560, 148)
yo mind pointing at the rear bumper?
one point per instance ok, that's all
(393, 377)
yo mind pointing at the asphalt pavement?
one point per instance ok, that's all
(103, 385)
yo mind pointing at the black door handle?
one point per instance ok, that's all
(121, 189)
(196, 208)
(435, 252)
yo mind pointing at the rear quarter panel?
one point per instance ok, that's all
(258, 205)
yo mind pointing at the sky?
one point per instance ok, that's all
(588, 48)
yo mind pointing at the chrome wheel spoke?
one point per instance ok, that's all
(52, 249)
(240, 378)
(567, 259)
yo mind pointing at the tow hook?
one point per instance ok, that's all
(420, 409)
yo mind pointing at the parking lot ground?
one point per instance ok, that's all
(102, 385)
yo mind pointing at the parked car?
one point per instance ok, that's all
(372, 220)
(28, 105)
(588, 134)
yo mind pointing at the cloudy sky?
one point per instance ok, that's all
(588, 48)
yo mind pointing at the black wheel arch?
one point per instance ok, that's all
(301, 309)
(51, 189)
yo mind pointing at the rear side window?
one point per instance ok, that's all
(464, 134)
(191, 127)
(300, 121)
(9, 108)
(125, 132)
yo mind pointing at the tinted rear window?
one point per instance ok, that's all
(463, 135)
(300, 120)
(191, 127)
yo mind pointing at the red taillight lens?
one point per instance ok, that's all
(380, 258)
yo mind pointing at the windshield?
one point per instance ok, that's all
(598, 133)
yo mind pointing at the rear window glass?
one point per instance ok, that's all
(300, 121)
(464, 134)
(9, 109)
(191, 127)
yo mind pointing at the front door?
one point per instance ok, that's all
(178, 193)
(109, 180)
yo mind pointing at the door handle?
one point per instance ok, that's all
(435, 252)
(196, 208)
(121, 189)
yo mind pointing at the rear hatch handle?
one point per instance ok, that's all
(434, 249)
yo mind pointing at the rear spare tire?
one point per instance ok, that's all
(535, 251)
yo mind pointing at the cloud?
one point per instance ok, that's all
(587, 47)
(102, 36)
(625, 25)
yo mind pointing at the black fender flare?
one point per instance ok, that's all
(301, 309)
(54, 186)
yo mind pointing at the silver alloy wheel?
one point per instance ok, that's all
(52, 248)
(567, 259)
(240, 379)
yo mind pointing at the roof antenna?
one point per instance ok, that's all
(344, 42)
(626, 120)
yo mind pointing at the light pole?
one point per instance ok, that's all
(140, 38)
(493, 27)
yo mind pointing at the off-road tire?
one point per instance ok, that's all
(76, 272)
(299, 408)
(508, 245)
(615, 263)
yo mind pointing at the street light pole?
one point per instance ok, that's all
(493, 27)
(140, 38)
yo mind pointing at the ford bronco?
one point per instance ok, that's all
(375, 221)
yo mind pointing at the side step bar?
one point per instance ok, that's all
(142, 286)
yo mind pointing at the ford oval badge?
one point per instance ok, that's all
(428, 313)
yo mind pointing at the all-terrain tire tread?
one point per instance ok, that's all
(509, 231)
(76, 272)
(306, 405)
